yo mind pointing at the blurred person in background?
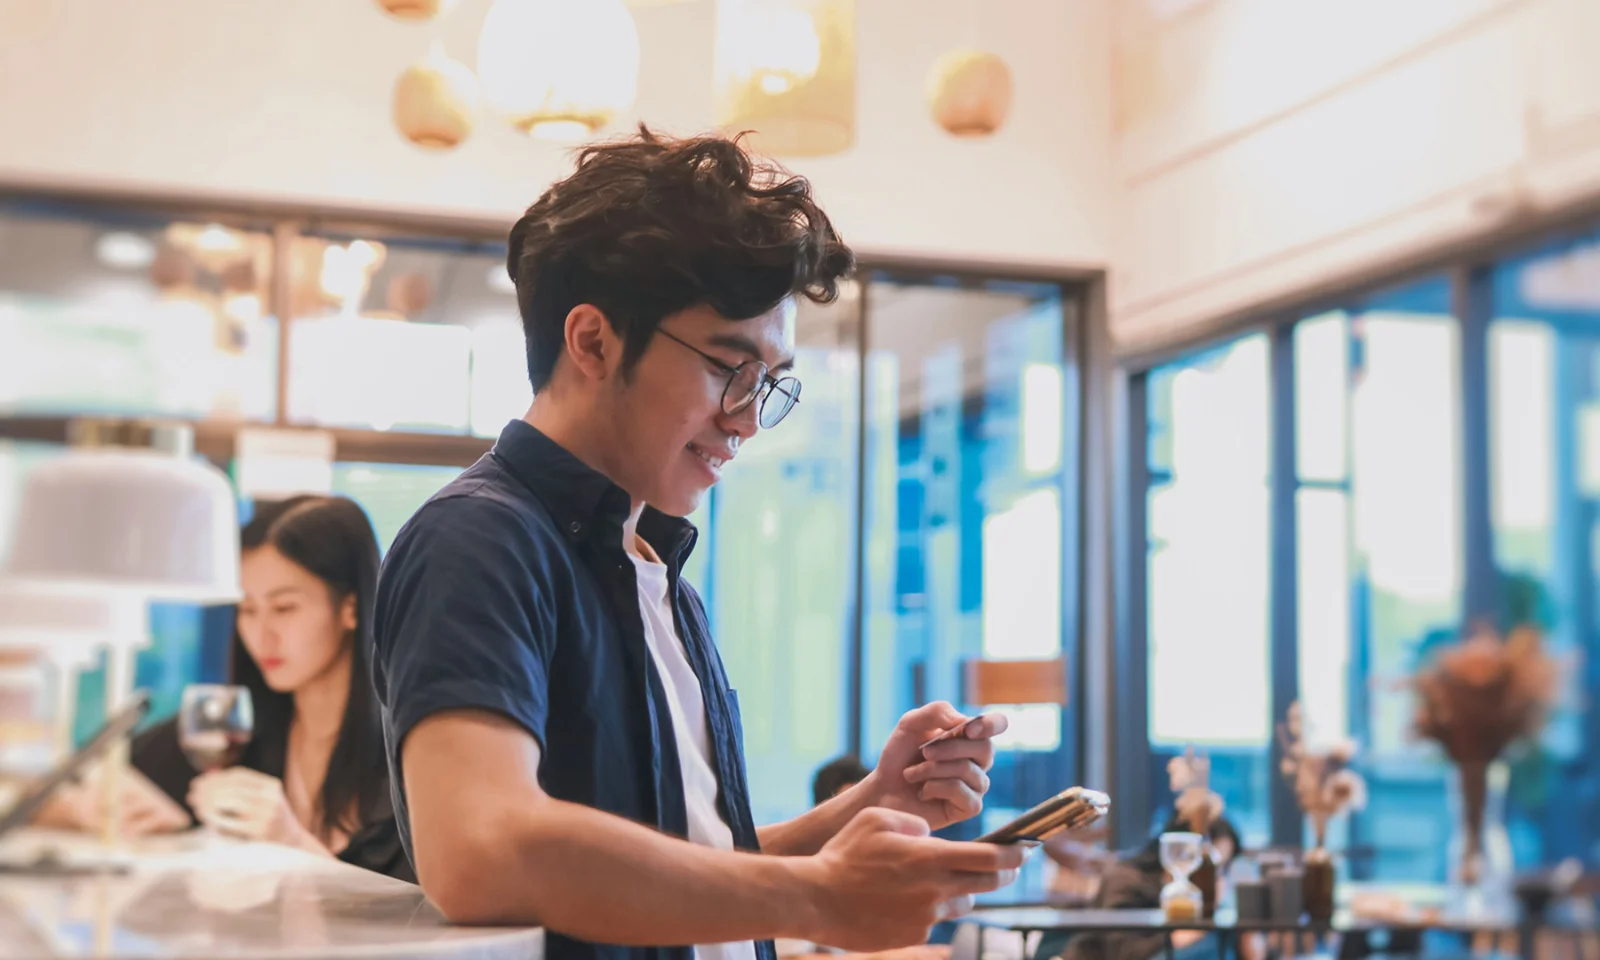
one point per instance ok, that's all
(835, 777)
(313, 776)
(1134, 882)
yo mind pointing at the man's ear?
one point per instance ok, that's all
(591, 344)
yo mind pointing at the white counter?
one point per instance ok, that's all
(199, 896)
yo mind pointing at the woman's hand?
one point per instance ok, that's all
(243, 803)
(142, 809)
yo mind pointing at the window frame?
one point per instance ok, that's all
(289, 222)
(1470, 270)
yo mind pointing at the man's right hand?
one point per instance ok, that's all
(882, 882)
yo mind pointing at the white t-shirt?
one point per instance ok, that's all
(688, 710)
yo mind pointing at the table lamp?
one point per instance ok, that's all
(65, 632)
(126, 517)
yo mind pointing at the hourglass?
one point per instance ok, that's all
(1180, 856)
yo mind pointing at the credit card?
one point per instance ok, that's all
(959, 730)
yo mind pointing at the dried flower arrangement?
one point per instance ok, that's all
(1324, 784)
(1190, 778)
(1475, 699)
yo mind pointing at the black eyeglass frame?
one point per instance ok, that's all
(765, 387)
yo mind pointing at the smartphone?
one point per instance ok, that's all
(109, 733)
(1070, 809)
(959, 730)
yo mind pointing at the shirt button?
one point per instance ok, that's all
(575, 527)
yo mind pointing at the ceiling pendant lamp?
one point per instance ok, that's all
(969, 93)
(786, 72)
(416, 9)
(556, 69)
(435, 101)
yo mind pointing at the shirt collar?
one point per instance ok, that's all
(581, 499)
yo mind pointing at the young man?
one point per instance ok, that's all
(558, 721)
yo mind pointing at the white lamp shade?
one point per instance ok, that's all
(558, 69)
(100, 522)
(31, 614)
(68, 629)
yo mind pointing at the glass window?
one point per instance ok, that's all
(390, 492)
(779, 550)
(398, 334)
(1379, 567)
(109, 312)
(1322, 348)
(967, 428)
(1544, 430)
(1207, 576)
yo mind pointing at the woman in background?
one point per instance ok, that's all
(1134, 883)
(314, 774)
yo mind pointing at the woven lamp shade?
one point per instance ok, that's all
(416, 10)
(969, 93)
(435, 102)
(786, 72)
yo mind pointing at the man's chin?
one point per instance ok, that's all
(680, 504)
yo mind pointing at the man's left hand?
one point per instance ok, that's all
(943, 784)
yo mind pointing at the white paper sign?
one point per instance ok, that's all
(274, 464)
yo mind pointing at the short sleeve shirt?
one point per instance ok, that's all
(510, 591)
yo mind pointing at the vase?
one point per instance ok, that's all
(1479, 853)
(1316, 885)
(1205, 880)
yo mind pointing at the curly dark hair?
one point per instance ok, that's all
(649, 225)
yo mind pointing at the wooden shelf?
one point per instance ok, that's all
(214, 439)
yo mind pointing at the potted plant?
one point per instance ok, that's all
(1324, 787)
(1475, 698)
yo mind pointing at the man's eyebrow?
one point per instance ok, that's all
(739, 343)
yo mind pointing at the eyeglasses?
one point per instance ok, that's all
(748, 383)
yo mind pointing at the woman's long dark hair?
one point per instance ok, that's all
(332, 539)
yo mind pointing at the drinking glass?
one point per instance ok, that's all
(215, 723)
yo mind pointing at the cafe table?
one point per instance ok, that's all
(1227, 927)
(198, 895)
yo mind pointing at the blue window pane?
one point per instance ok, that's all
(1207, 575)
(1379, 563)
(967, 440)
(1322, 347)
(389, 492)
(1544, 360)
(776, 563)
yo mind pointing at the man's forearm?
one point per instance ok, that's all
(597, 877)
(805, 834)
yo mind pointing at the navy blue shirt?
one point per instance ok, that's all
(510, 591)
